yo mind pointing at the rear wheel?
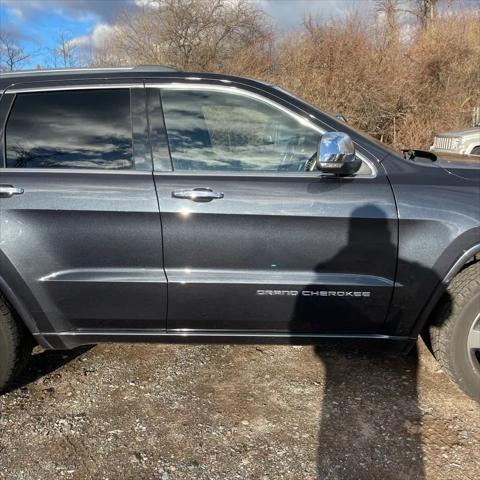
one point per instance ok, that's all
(455, 331)
(475, 150)
(15, 344)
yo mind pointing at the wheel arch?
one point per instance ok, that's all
(472, 148)
(22, 300)
(467, 258)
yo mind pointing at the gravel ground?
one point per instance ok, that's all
(168, 412)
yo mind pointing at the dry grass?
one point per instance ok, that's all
(402, 92)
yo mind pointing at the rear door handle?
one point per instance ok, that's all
(9, 190)
(199, 194)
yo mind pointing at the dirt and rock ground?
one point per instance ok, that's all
(169, 412)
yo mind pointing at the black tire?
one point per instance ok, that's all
(475, 150)
(455, 318)
(15, 345)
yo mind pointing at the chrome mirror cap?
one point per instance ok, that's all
(336, 154)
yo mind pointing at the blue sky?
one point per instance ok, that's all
(35, 24)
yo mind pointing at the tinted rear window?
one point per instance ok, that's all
(70, 129)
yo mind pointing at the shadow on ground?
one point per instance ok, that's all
(44, 363)
(370, 420)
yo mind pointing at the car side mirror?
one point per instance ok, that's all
(336, 154)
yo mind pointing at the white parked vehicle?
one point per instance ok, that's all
(463, 142)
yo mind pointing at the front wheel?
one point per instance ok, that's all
(15, 345)
(455, 331)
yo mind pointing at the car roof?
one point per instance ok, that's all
(86, 71)
(26, 76)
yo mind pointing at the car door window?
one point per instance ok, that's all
(70, 129)
(218, 131)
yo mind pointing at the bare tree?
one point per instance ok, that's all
(191, 34)
(12, 56)
(426, 11)
(389, 9)
(66, 52)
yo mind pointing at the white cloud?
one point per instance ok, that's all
(100, 34)
(81, 41)
(95, 39)
(147, 3)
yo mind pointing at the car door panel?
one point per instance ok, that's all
(87, 244)
(279, 254)
(269, 251)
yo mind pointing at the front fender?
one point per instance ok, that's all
(439, 222)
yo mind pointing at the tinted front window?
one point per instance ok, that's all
(70, 129)
(209, 130)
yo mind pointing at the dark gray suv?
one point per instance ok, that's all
(147, 204)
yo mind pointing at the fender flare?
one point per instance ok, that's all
(25, 306)
(18, 306)
(458, 265)
(442, 286)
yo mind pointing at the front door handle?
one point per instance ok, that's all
(198, 194)
(7, 191)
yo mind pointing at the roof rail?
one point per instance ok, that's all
(60, 71)
(63, 70)
(154, 68)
